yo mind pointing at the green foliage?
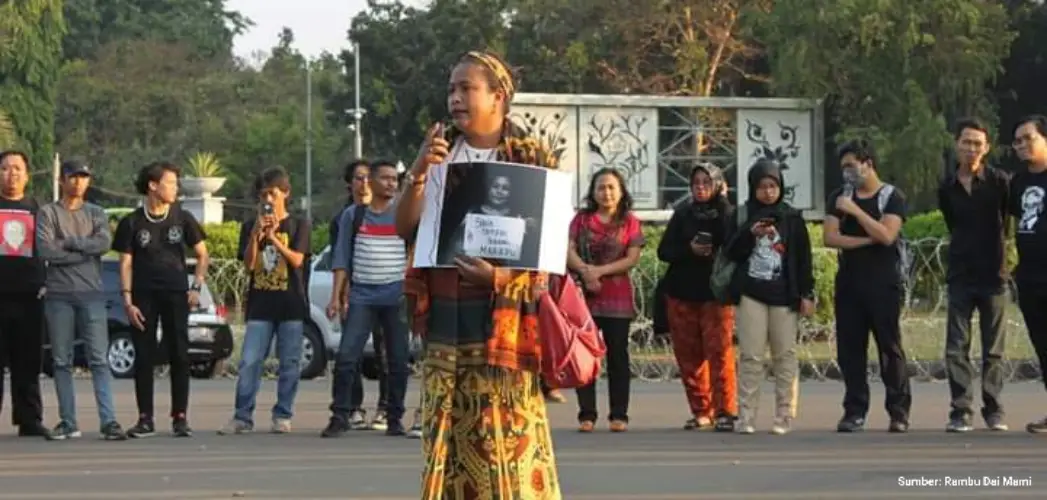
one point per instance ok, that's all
(8, 135)
(223, 239)
(31, 34)
(896, 71)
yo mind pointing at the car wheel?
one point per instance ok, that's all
(314, 353)
(121, 354)
(203, 370)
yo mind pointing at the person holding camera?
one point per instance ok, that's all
(700, 326)
(273, 249)
(774, 287)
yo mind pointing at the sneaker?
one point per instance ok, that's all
(281, 425)
(395, 428)
(235, 427)
(180, 427)
(898, 426)
(113, 432)
(995, 423)
(143, 429)
(358, 420)
(781, 426)
(851, 424)
(379, 422)
(744, 429)
(336, 427)
(35, 429)
(64, 430)
(725, 423)
(1037, 427)
(416, 428)
(959, 424)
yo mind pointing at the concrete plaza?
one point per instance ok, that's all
(655, 460)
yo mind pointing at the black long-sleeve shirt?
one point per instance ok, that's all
(977, 222)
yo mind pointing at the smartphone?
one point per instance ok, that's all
(267, 208)
(703, 238)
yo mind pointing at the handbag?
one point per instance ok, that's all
(572, 344)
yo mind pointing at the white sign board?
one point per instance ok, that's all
(783, 135)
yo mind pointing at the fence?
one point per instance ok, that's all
(923, 320)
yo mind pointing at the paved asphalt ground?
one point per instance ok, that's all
(655, 460)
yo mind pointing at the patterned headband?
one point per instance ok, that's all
(499, 69)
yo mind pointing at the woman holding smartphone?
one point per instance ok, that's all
(774, 287)
(700, 326)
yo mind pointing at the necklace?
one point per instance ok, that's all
(154, 221)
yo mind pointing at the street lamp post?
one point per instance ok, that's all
(309, 141)
(357, 111)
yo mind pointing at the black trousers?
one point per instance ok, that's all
(21, 329)
(169, 309)
(356, 397)
(861, 308)
(616, 336)
(990, 303)
(1032, 300)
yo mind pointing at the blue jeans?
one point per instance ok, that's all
(66, 319)
(355, 331)
(257, 339)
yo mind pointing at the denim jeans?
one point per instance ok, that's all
(257, 339)
(66, 318)
(355, 331)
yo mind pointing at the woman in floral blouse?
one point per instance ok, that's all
(605, 244)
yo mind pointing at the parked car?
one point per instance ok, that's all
(321, 331)
(210, 338)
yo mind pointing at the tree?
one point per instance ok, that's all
(30, 59)
(8, 137)
(203, 25)
(897, 71)
(1019, 90)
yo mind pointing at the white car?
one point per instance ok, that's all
(320, 331)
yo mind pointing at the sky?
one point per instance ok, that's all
(318, 25)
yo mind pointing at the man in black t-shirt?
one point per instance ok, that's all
(273, 248)
(864, 222)
(1028, 197)
(152, 243)
(21, 308)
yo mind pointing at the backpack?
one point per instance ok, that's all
(906, 254)
(723, 267)
(572, 344)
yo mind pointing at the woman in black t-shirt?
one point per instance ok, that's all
(773, 286)
(152, 243)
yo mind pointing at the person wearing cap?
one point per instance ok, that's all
(72, 236)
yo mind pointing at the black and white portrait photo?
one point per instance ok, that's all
(495, 211)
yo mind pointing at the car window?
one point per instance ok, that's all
(323, 261)
(111, 276)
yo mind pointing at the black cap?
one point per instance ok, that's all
(75, 167)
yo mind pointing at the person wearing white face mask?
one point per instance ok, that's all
(864, 222)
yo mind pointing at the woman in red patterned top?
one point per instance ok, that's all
(605, 244)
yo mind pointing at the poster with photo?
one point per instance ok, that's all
(513, 215)
(17, 233)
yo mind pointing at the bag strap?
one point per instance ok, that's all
(354, 229)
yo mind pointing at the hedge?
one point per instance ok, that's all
(926, 231)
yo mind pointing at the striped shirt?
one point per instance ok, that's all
(378, 257)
